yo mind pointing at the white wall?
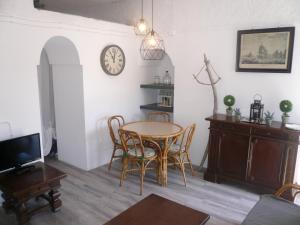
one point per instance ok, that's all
(69, 114)
(210, 26)
(23, 34)
(45, 94)
(46, 101)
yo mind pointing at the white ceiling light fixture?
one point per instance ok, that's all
(152, 47)
(141, 28)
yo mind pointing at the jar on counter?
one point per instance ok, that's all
(167, 78)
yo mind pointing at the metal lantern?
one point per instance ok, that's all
(256, 109)
(152, 47)
(141, 27)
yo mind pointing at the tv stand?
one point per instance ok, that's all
(40, 181)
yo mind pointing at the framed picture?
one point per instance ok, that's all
(265, 50)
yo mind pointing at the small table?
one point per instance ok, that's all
(158, 210)
(157, 131)
(18, 189)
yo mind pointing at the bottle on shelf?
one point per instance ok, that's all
(167, 78)
(156, 80)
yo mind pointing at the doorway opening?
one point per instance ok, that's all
(60, 78)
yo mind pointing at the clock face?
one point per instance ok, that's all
(112, 60)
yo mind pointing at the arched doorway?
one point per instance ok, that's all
(61, 100)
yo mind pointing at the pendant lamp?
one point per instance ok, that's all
(141, 28)
(152, 47)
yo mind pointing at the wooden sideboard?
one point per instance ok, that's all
(261, 157)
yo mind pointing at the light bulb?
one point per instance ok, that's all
(142, 26)
(152, 41)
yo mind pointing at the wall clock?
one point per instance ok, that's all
(112, 60)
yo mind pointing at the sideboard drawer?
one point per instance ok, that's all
(294, 137)
(237, 128)
(270, 133)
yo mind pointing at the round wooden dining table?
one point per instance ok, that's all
(157, 131)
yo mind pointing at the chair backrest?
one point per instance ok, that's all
(114, 123)
(159, 116)
(187, 137)
(133, 141)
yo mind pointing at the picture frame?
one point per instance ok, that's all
(265, 50)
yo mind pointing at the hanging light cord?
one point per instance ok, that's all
(142, 9)
(152, 15)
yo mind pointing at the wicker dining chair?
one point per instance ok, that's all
(178, 152)
(159, 116)
(140, 153)
(114, 123)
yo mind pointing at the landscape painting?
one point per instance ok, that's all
(265, 50)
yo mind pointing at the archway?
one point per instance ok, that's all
(62, 101)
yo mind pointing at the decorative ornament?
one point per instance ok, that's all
(269, 118)
(285, 106)
(229, 101)
(152, 47)
(112, 60)
(212, 82)
(256, 109)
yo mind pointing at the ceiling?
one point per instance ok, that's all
(119, 11)
(126, 12)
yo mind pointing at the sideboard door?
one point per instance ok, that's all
(233, 155)
(267, 162)
(213, 151)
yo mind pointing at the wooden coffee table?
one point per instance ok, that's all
(43, 181)
(156, 210)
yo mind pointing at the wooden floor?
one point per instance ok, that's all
(94, 197)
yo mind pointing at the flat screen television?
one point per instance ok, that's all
(16, 152)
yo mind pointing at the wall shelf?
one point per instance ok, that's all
(158, 86)
(156, 107)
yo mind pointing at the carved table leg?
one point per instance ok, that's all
(55, 202)
(22, 214)
(8, 203)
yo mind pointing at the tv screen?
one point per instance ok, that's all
(18, 151)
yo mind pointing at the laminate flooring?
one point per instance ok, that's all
(94, 197)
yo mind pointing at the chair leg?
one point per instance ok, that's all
(112, 157)
(124, 170)
(182, 169)
(190, 163)
(158, 170)
(142, 177)
(174, 166)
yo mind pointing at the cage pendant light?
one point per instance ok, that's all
(141, 28)
(152, 47)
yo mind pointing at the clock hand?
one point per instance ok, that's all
(114, 59)
(111, 55)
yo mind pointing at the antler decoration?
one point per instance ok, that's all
(209, 69)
